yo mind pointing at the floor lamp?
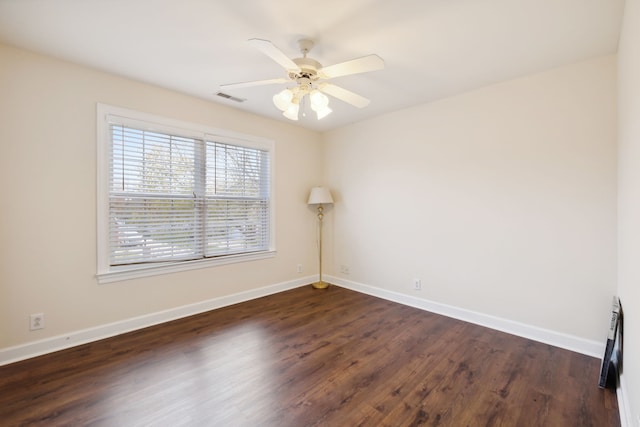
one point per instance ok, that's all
(320, 196)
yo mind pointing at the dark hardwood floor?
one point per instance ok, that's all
(309, 358)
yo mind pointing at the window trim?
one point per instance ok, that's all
(107, 273)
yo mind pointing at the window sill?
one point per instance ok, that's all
(118, 274)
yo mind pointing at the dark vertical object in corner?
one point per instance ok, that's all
(612, 360)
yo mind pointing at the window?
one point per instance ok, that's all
(176, 196)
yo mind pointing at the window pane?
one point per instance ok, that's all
(149, 162)
(174, 198)
(236, 171)
(236, 226)
(153, 229)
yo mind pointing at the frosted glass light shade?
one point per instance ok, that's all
(320, 104)
(291, 112)
(320, 196)
(318, 100)
(282, 100)
(288, 101)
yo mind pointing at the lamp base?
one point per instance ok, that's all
(320, 285)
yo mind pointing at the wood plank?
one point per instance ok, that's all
(309, 357)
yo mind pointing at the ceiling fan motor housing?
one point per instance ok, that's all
(304, 85)
(308, 69)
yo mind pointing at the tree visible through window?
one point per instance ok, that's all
(177, 198)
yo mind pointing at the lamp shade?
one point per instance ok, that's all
(282, 100)
(291, 112)
(318, 100)
(320, 196)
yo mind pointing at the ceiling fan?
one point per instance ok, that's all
(310, 78)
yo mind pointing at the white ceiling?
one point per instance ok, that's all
(432, 48)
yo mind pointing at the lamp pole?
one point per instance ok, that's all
(320, 284)
(320, 196)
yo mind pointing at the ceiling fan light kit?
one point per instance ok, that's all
(307, 73)
(283, 99)
(292, 111)
(288, 101)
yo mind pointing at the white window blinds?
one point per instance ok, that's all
(174, 197)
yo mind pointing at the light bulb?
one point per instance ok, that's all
(282, 100)
(291, 112)
(318, 100)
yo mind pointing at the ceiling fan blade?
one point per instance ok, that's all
(269, 49)
(253, 83)
(355, 66)
(344, 95)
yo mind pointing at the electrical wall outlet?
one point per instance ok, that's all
(345, 269)
(417, 284)
(299, 268)
(36, 321)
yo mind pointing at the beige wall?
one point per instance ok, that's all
(629, 203)
(48, 203)
(502, 201)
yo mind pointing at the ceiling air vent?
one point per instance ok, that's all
(232, 98)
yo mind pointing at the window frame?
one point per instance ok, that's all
(107, 273)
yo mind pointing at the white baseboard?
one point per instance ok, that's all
(557, 339)
(61, 342)
(48, 345)
(624, 406)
